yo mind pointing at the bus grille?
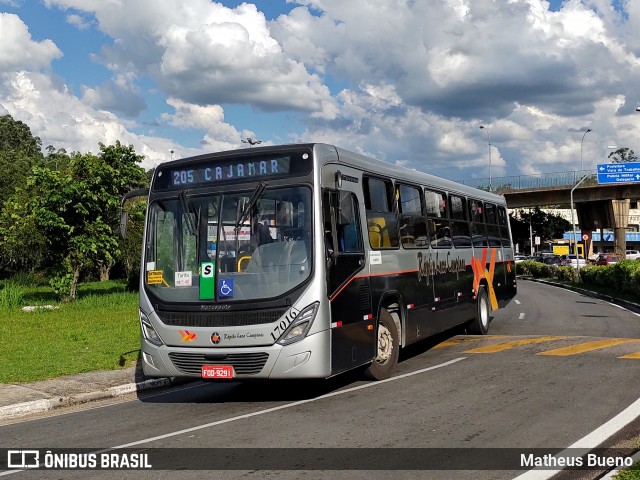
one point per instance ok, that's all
(219, 319)
(243, 363)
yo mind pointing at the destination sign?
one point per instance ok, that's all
(217, 169)
(625, 172)
(230, 170)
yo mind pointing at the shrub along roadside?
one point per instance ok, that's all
(621, 279)
(100, 331)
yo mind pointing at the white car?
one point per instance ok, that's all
(633, 255)
(572, 260)
(519, 258)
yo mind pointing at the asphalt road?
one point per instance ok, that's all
(551, 373)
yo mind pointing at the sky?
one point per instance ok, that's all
(409, 82)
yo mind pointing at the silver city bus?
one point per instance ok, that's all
(305, 261)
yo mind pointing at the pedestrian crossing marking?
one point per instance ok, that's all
(514, 343)
(459, 340)
(587, 347)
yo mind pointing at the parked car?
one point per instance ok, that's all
(607, 259)
(573, 260)
(633, 255)
(552, 260)
(520, 258)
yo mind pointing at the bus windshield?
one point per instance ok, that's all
(219, 248)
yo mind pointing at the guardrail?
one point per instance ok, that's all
(528, 182)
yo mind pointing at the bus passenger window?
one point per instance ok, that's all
(413, 227)
(439, 231)
(349, 237)
(382, 221)
(459, 223)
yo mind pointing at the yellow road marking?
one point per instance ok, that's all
(457, 341)
(587, 347)
(515, 343)
(632, 355)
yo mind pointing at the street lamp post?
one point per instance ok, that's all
(573, 227)
(489, 142)
(581, 143)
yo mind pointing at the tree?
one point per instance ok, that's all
(19, 151)
(72, 215)
(121, 173)
(623, 155)
(546, 225)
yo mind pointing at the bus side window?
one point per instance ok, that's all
(413, 227)
(504, 227)
(382, 220)
(459, 222)
(439, 231)
(349, 236)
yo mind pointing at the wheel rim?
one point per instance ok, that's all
(484, 312)
(385, 344)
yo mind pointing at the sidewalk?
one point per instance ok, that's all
(26, 398)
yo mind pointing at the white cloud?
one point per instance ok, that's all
(18, 50)
(407, 82)
(205, 53)
(209, 118)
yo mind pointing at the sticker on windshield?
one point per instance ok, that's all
(154, 277)
(182, 279)
(225, 288)
(207, 280)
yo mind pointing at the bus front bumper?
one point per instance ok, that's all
(308, 358)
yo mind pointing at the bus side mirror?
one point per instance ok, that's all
(124, 218)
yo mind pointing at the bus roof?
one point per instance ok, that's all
(355, 160)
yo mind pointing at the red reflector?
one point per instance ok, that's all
(339, 323)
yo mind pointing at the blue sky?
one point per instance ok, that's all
(406, 82)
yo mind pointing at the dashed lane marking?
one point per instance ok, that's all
(588, 346)
(514, 343)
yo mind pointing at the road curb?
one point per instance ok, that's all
(634, 307)
(111, 392)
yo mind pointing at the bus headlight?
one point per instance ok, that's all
(300, 325)
(148, 332)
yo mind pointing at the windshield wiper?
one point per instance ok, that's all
(257, 193)
(186, 212)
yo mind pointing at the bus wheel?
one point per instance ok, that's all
(480, 324)
(388, 348)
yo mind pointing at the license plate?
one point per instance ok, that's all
(217, 371)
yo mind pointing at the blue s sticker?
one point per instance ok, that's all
(225, 288)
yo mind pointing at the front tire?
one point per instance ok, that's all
(388, 348)
(480, 324)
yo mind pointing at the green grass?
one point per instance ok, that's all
(100, 331)
(632, 473)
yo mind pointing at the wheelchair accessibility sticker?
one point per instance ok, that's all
(225, 288)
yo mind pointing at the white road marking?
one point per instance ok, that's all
(288, 405)
(521, 317)
(517, 302)
(589, 442)
(267, 410)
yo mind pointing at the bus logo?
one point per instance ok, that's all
(215, 338)
(188, 336)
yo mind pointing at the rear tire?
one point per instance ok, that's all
(480, 324)
(388, 348)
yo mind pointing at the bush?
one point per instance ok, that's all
(11, 295)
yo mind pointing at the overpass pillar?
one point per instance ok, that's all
(620, 219)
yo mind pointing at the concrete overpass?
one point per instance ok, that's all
(597, 206)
